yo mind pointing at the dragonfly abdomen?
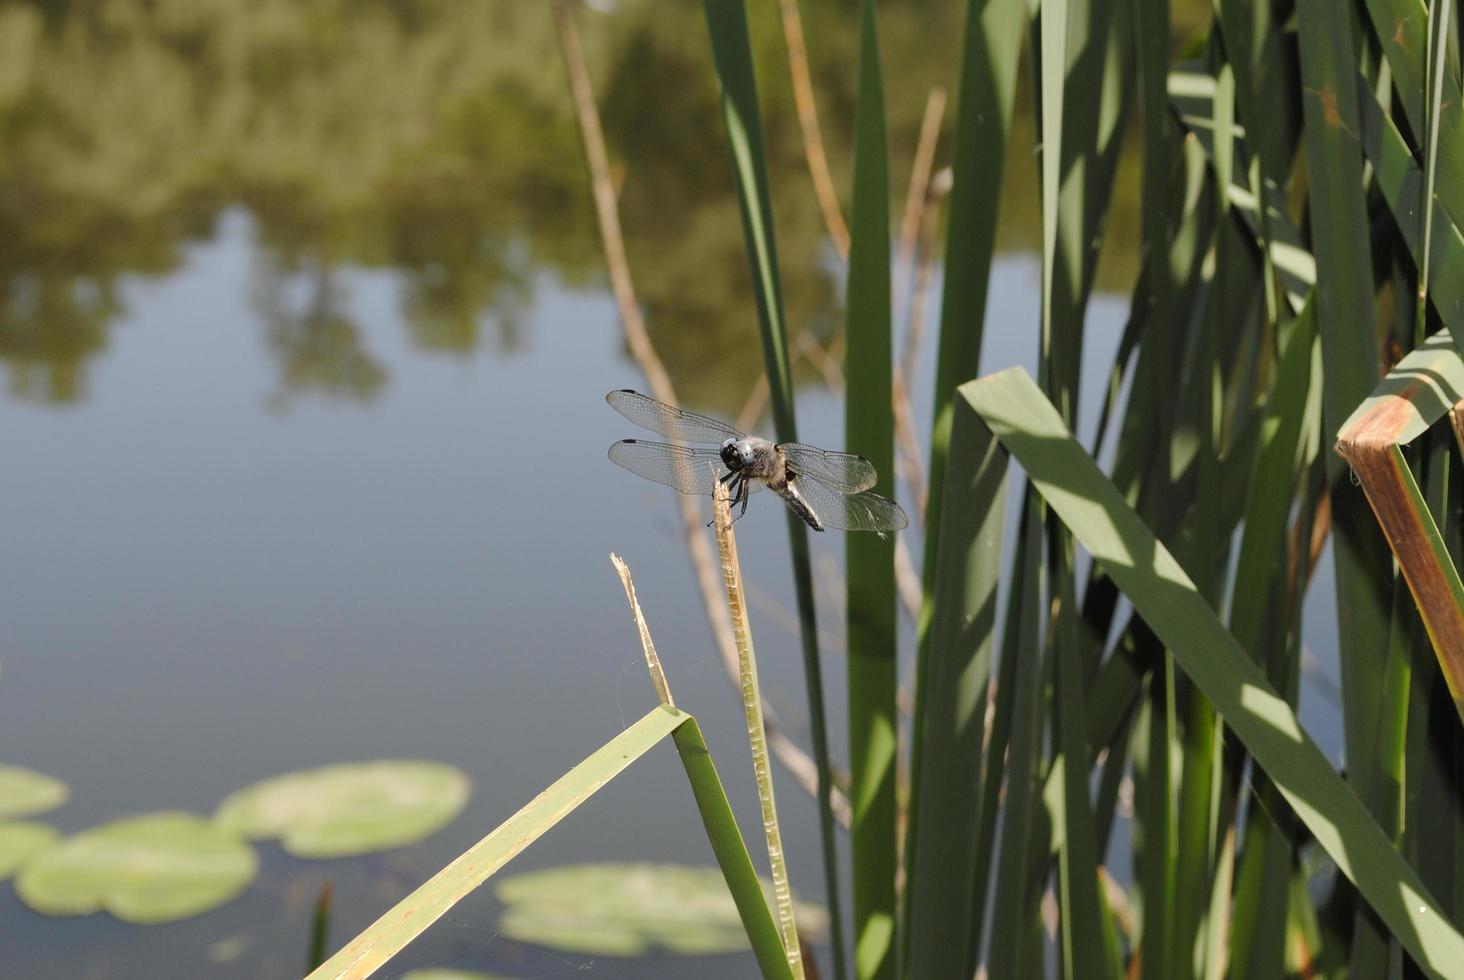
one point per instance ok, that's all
(789, 492)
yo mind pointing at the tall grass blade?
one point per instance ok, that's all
(732, 54)
(1031, 430)
(1156, 841)
(983, 122)
(947, 878)
(1433, 729)
(869, 428)
(1151, 63)
(1014, 902)
(1403, 31)
(990, 48)
(1020, 624)
(1086, 928)
(1345, 324)
(1260, 620)
(1438, 25)
(1400, 182)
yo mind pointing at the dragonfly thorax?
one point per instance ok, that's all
(737, 453)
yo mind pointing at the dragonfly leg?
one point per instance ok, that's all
(733, 480)
(740, 492)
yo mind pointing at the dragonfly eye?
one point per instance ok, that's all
(731, 456)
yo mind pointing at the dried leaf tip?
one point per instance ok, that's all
(653, 662)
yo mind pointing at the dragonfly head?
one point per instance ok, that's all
(736, 454)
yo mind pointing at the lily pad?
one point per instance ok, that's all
(20, 840)
(154, 868)
(631, 910)
(25, 792)
(349, 809)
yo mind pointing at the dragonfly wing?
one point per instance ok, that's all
(844, 472)
(863, 511)
(668, 420)
(685, 468)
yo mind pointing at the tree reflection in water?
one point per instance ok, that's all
(429, 138)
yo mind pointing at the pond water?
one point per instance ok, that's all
(306, 339)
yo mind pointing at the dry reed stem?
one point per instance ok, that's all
(756, 738)
(917, 193)
(907, 580)
(813, 148)
(917, 269)
(790, 754)
(653, 662)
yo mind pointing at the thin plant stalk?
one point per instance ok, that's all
(319, 929)
(756, 737)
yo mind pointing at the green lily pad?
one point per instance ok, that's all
(25, 792)
(154, 868)
(631, 910)
(20, 840)
(349, 809)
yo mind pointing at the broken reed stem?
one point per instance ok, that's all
(752, 706)
(653, 662)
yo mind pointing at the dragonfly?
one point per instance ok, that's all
(825, 488)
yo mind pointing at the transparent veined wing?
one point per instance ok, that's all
(669, 421)
(863, 511)
(844, 472)
(686, 468)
